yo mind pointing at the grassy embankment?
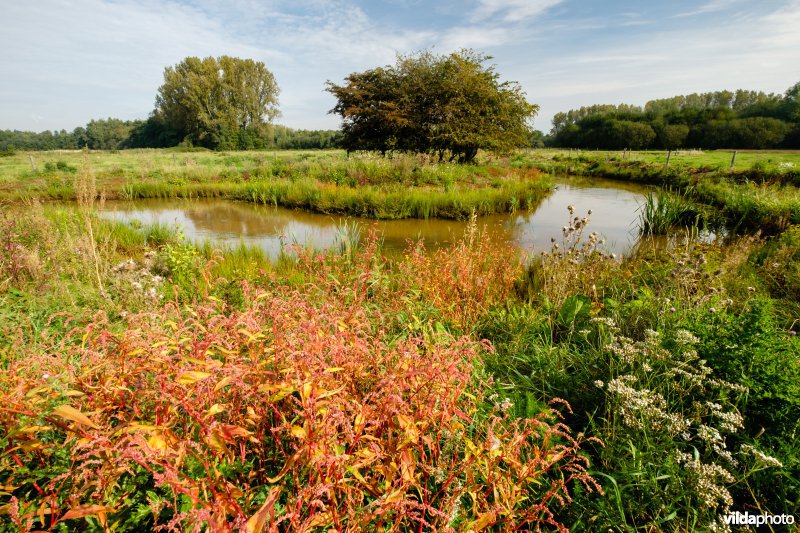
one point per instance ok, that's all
(319, 181)
(148, 381)
(759, 193)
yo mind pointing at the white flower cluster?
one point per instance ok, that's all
(761, 458)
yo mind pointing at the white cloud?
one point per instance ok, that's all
(709, 7)
(511, 10)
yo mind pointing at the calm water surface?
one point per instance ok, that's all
(614, 208)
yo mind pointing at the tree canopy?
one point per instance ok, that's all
(217, 102)
(721, 119)
(450, 105)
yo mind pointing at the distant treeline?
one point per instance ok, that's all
(723, 119)
(115, 134)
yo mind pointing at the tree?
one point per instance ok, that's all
(217, 102)
(446, 105)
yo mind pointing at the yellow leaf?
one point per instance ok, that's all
(72, 414)
(334, 369)
(283, 390)
(28, 429)
(305, 392)
(483, 521)
(395, 496)
(217, 442)
(299, 432)
(286, 467)
(330, 393)
(192, 376)
(86, 510)
(157, 443)
(223, 383)
(215, 409)
(321, 519)
(259, 519)
(360, 422)
(73, 393)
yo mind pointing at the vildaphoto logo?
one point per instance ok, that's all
(747, 519)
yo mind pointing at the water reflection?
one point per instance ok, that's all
(614, 215)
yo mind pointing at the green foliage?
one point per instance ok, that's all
(723, 119)
(217, 102)
(662, 211)
(433, 104)
(750, 348)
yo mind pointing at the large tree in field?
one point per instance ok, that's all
(450, 105)
(217, 102)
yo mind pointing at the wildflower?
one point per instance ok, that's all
(506, 405)
(792, 333)
(712, 310)
(599, 384)
(727, 302)
(571, 209)
(751, 289)
(762, 458)
(671, 309)
(45, 376)
(685, 338)
(613, 256)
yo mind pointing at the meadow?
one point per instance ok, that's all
(148, 381)
(321, 181)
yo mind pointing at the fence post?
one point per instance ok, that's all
(33, 163)
(669, 154)
(733, 159)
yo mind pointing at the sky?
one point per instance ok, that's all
(65, 62)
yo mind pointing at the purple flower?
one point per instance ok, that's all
(712, 310)
(671, 309)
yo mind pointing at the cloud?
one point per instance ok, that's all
(511, 10)
(709, 7)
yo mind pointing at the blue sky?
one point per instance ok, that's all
(65, 62)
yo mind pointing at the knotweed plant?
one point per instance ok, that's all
(302, 409)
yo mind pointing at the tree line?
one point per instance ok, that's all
(223, 103)
(722, 119)
(447, 105)
(116, 134)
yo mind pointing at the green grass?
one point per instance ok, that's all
(761, 197)
(663, 211)
(324, 182)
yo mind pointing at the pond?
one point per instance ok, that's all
(614, 207)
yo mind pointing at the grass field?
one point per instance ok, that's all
(325, 181)
(772, 160)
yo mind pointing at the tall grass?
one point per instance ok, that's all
(663, 211)
(402, 187)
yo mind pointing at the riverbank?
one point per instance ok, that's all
(443, 364)
(323, 182)
(760, 194)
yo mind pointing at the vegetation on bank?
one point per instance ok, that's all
(760, 194)
(149, 382)
(324, 182)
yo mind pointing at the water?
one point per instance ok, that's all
(614, 207)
